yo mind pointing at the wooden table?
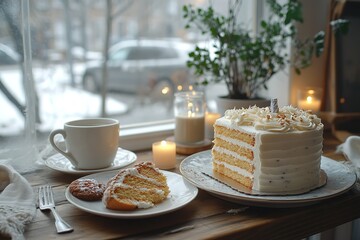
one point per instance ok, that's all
(204, 218)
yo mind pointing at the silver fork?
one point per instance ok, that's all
(46, 201)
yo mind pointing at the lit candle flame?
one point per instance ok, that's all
(309, 99)
(191, 114)
(165, 90)
(191, 110)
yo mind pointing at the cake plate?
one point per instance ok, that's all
(339, 180)
(60, 163)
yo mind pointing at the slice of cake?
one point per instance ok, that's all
(139, 187)
(269, 152)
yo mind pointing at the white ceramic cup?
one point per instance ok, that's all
(90, 143)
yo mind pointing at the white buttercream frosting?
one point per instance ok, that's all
(287, 146)
(287, 119)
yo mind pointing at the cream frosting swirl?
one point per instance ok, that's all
(287, 119)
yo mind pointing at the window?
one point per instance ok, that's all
(165, 53)
(67, 41)
(120, 55)
(142, 53)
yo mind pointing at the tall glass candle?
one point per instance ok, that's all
(189, 109)
(164, 154)
(210, 119)
(309, 99)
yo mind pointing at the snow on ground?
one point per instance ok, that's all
(58, 103)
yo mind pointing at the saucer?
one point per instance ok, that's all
(60, 163)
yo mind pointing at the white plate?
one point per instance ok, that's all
(340, 179)
(60, 163)
(181, 193)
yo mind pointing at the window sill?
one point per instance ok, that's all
(141, 136)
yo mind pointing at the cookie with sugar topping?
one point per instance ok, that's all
(87, 189)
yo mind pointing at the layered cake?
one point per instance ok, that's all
(139, 187)
(266, 151)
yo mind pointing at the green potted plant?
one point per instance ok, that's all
(245, 60)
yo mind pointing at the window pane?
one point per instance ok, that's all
(120, 54)
(147, 51)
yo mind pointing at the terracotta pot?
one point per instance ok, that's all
(224, 104)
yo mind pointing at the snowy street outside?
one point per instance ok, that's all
(59, 102)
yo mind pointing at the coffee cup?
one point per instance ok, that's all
(90, 143)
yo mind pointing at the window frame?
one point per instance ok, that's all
(136, 137)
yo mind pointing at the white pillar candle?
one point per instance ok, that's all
(310, 103)
(210, 119)
(309, 100)
(189, 130)
(164, 154)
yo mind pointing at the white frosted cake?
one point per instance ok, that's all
(269, 152)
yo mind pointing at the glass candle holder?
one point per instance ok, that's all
(210, 119)
(189, 109)
(309, 99)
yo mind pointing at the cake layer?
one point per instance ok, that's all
(242, 150)
(233, 173)
(143, 194)
(139, 187)
(236, 135)
(230, 159)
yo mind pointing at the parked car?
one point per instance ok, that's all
(135, 65)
